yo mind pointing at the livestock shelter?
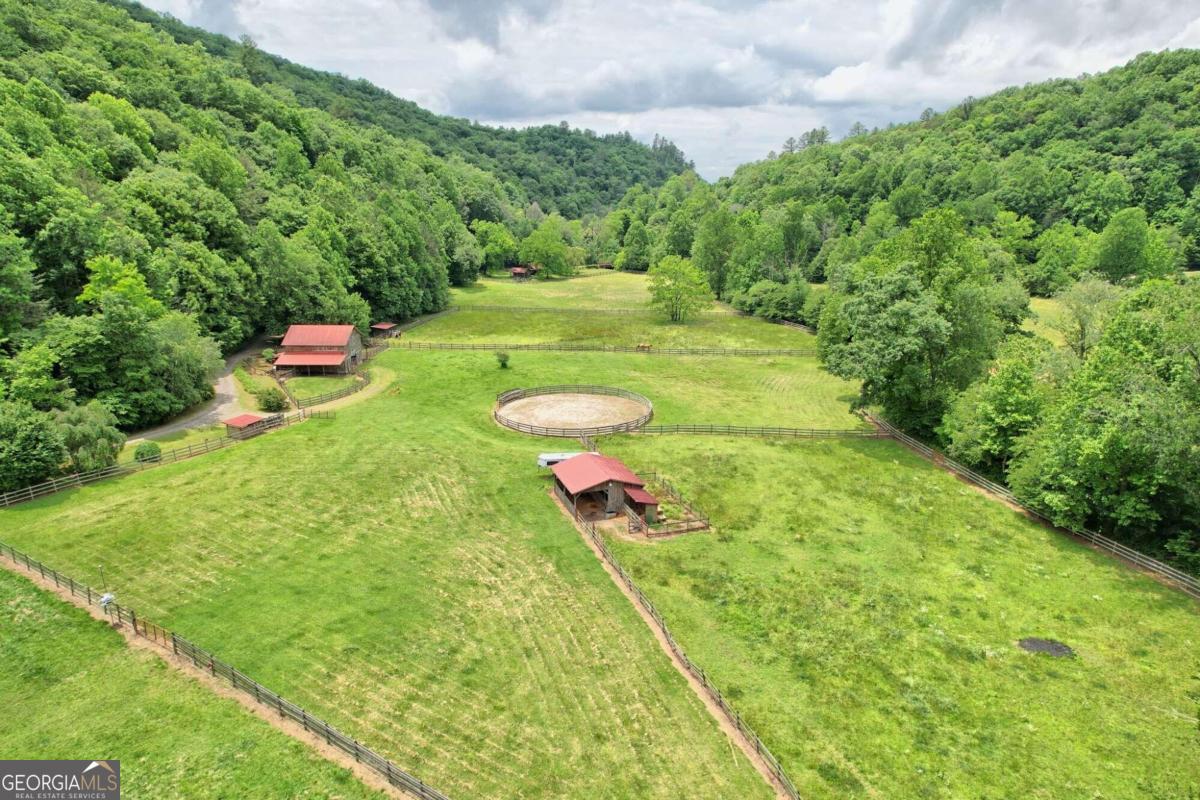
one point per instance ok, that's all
(321, 349)
(384, 330)
(601, 486)
(519, 273)
(244, 425)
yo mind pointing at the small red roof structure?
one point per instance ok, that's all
(586, 471)
(318, 336)
(383, 326)
(242, 421)
(639, 495)
(330, 359)
(519, 271)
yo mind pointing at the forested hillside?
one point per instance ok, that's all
(915, 251)
(569, 171)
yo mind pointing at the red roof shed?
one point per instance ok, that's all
(242, 421)
(383, 326)
(302, 359)
(639, 495)
(589, 470)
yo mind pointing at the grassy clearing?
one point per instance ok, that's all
(1046, 311)
(596, 289)
(721, 330)
(248, 383)
(307, 386)
(400, 571)
(79, 692)
(171, 441)
(863, 613)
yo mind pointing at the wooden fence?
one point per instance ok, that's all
(569, 347)
(743, 430)
(1189, 584)
(696, 521)
(205, 660)
(336, 394)
(772, 763)
(509, 396)
(78, 479)
(629, 312)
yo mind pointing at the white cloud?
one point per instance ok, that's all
(727, 80)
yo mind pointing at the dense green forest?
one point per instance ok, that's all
(563, 170)
(915, 251)
(165, 194)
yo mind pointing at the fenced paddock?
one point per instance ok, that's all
(1188, 584)
(781, 779)
(79, 479)
(765, 431)
(693, 519)
(203, 659)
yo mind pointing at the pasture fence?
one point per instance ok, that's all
(627, 312)
(205, 660)
(693, 521)
(78, 479)
(336, 394)
(1188, 584)
(731, 714)
(762, 430)
(570, 347)
(509, 396)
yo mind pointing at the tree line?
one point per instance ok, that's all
(915, 251)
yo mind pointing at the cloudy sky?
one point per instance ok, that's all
(727, 80)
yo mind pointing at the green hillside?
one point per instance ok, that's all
(562, 169)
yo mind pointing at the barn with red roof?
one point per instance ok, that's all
(602, 485)
(320, 349)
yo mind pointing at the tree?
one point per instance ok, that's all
(31, 446)
(716, 237)
(90, 435)
(16, 284)
(499, 246)
(678, 288)
(1058, 252)
(547, 248)
(635, 254)
(1085, 309)
(111, 276)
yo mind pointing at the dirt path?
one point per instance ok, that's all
(288, 726)
(726, 724)
(223, 405)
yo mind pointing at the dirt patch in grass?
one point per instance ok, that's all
(1050, 647)
(573, 410)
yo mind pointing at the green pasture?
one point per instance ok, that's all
(72, 689)
(306, 386)
(862, 609)
(176, 439)
(589, 289)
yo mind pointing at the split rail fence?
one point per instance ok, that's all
(743, 430)
(205, 660)
(78, 479)
(768, 758)
(695, 521)
(568, 347)
(336, 394)
(1186, 583)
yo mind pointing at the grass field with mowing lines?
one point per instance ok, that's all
(526, 327)
(171, 441)
(862, 609)
(400, 571)
(73, 689)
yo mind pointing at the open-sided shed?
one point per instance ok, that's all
(591, 480)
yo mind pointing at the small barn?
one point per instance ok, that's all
(321, 349)
(605, 265)
(599, 487)
(519, 273)
(384, 330)
(244, 425)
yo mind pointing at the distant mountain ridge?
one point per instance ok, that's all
(562, 169)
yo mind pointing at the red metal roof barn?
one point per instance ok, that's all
(593, 478)
(321, 348)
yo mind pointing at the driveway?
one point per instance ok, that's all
(224, 404)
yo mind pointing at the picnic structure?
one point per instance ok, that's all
(321, 349)
(600, 487)
(384, 330)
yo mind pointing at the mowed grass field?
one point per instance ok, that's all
(305, 386)
(862, 609)
(589, 289)
(71, 688)
(401, 571)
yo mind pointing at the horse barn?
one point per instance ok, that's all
(321, 349)
(599, 487)
(385, 330)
